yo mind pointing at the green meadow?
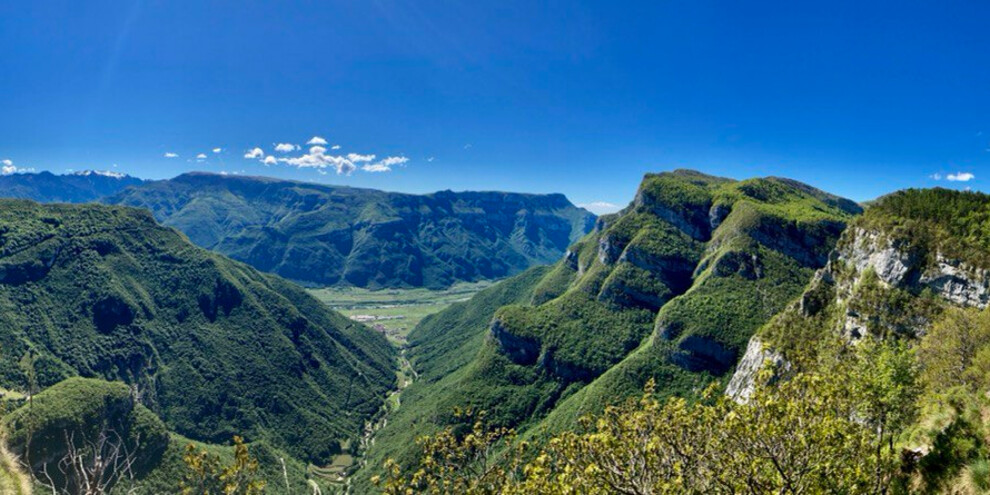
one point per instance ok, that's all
(395, 311)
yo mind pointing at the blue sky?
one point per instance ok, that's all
(858, 98)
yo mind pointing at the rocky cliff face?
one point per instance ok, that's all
(757, 356)
(882, 278)
(693, 266)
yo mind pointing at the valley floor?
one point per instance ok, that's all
(394, 312)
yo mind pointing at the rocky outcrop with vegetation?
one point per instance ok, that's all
(670, 288)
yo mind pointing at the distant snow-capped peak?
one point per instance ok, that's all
(104, 173)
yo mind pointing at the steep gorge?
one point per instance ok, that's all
(670, 288)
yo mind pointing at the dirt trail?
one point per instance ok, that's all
(13, 480)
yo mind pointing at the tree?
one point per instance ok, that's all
(882, 382)
(453, 464)
(954, 352)
(208, 476)
(90, 466)
(804, 434)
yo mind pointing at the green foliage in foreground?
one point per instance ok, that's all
(207, 474)
(212, 346)
(151, 460)
(669, 289)
(167, 475)
(813, 433)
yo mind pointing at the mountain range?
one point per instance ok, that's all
(700, 284)
(334, 235)
(670, 288)
(78, 187)
(329, 235)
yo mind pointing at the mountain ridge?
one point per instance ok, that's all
(670, 288)
(77, 187)
(213, 346)
(328, 235)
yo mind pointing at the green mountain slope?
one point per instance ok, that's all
(913, 270)
(893, 272)
(340, 235)
(86, 410)
(212, 346)
(670, 288)
(445, 350)
(79, 187)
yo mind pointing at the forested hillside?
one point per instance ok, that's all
(669, 289)
(329, 235)
(872, 381)
(914, 272)
(212, 346)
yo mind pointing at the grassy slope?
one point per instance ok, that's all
(738, 286)
(215, 347)
(634, 299)
(13, 480)
(327, 235)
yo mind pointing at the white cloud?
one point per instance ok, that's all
(600, 207)
(201, 156)
(385, 165)
(8, 168)
(430, 159)
(169, 154)
(376, 167)
(254, 153)
(217, 150)
(936, 176)
(318, 159)
(356, 158)
(468, 146)
(960, 177)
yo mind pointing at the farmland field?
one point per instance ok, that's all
(394, 312)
